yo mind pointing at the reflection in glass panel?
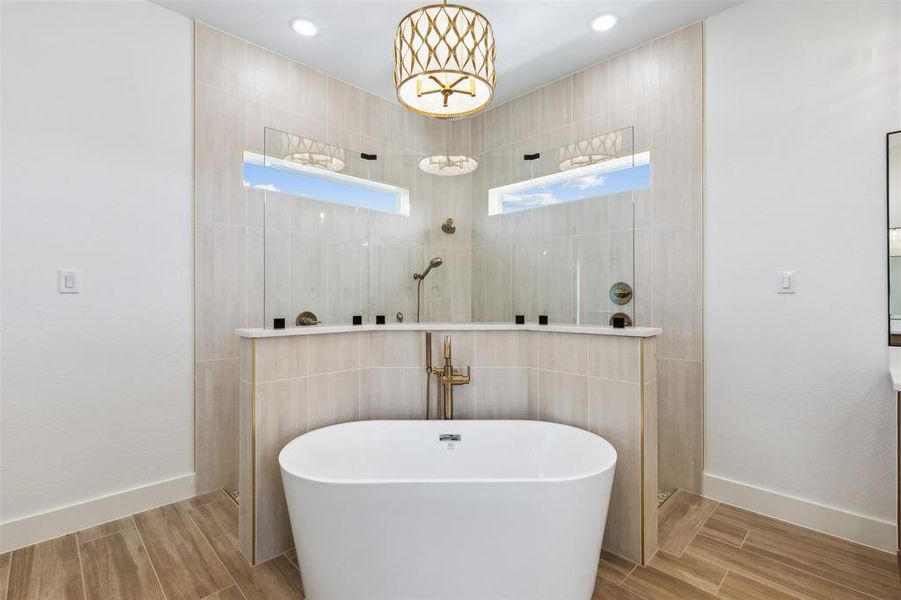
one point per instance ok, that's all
(893, 158)
(348, 242)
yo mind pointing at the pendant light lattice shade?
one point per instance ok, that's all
(444, 61)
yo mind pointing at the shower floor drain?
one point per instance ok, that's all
(663, 496)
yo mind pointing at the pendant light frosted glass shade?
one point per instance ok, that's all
(448, 166)
(444, 61)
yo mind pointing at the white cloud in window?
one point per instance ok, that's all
(266, 186)
(529, 200)
(585, 182)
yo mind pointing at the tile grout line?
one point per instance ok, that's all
(84, 585)
(209, 543)
(847, 585)
(228, 587)
(159, 581)
(771, 583)
(720, 584)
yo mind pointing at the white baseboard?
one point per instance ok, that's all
(847, 525)
(68, 519)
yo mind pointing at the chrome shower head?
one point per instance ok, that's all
(433, 264)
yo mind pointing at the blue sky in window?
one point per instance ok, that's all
(578, 188)
(318, 188)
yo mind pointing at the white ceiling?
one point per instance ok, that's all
(538, 41)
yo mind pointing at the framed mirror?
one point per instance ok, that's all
(893, 181)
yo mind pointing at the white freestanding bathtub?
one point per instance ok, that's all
(401, 510)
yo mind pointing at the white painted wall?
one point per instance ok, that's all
(799, 97)
(97, 158)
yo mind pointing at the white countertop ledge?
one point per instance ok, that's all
(894, 366)
(322, 329)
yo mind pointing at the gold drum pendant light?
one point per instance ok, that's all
(444, 61)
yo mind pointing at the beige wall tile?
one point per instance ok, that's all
(614, 413)
(281, 416)
(246, 358)
(612, 357)
(504, 349)
(282, 358)
(649, 358)
(557, 104)
(254, 257)
(565, 352)
(497, 126)
(678, 290)
(208, 54)
(216, 424)
(308, 93)
(269, 76)
(363, 340)
(345, 105)
(218, 170)
(563, 398)
(555, 277)
(680, 386)
(526, 114)
(502, 393)
(533, 394)
(219, 291)
(334, 352)
(334, 398)
(590, 92)
(651, 468)
(397, 349)
(392, 393)
(245, 469)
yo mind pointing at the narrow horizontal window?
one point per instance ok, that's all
(288, 177)
(613, 176)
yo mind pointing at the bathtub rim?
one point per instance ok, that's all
(608, 464)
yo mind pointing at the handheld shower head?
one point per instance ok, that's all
(433, 264)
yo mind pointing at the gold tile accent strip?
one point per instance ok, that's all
(253, 450)
(641, 451)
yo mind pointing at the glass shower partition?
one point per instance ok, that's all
(553, 231)
(550, 232)
(341, 236)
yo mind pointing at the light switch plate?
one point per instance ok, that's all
(69, 281)
(785, 282)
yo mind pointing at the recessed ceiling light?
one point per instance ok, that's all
(303, 27)
(604, 23)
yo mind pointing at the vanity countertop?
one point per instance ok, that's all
(321, 329)
(895, 370)
(894, 367)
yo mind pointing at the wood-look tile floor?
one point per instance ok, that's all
(189, 550)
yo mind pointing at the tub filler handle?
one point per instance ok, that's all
(449, 437)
